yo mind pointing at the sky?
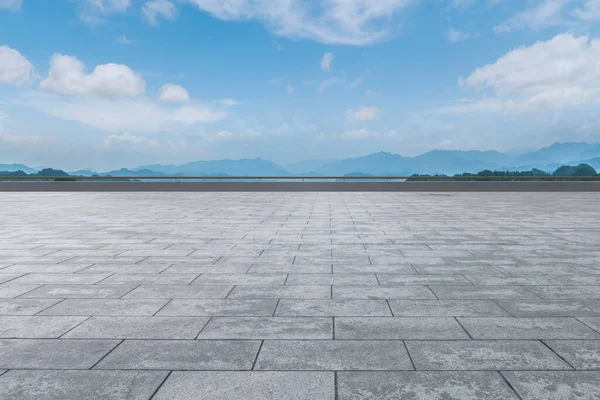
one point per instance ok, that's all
(105, 84)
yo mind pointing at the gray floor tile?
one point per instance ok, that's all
(60, 279)
(238, 308)
(483, 279)
(179, 292)
(388, 279)
(52, 353)
(551, 308)
(77, 385)
(482, 292)
(555, 385)
(423, 386)
(150, 279)
(329, 355)
(382, 292)
(251, 385)
(527, 328)
(565, 292)
(332, 279)
(183, 355)
(592, 322)
(280, 292)
(9, 290)
(139, 328)
(79, 291)
(106, 307)
(446, 308)
(398, 328)
(24, 306)
(241, 279)
(483, 355)
(268, 328)
(581, 354)
(324, 308)
(36, 326)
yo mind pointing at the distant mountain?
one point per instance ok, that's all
(17, 167)
(306, 166)
(243, 167)
(561, 153)
(129, 172)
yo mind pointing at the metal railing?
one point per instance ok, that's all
(473, 178)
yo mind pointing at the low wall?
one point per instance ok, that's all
(300, 187)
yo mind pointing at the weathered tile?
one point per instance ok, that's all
(389, 279)
(25, 306)
(581, 354)
(329, 355)
(11, 290)
(483, 279)
(248, 385)
(446, 308)
(77, 385)
(332, 279)
(592, 322)
(482, 292)
(241, 279)
(268, 328)
(483, 355)
(79, 291)
(382, 292)
(398, 328)
(106, 307)
(324, 308)
(565, 292)
(527, 328)
(239, 308)
(52, 354)
(423, 386)
(280, 292)
(36, 326)
(179, 292)
(551, 308)
(555, 385)
(60, 279)
(139, 328)
(183, 355)
(150, 279)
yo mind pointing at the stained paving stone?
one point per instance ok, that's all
(382, 292)
(60, 279)
(268, 328)
(423, 386)
(482, 279)
(565, 292)
(37, 326)
(482, 292)
(404, 269)
(139, 328)
(8, 277)
(238, 308)
(446, 308)
(323, 308)
(332, 279)
(106, 307)
(581, 354)
(53, 354)
(330, 355)
(527, 328)
(79, 291)
(179, 292)
(193, 355)
(398, 328)
(483, 355)
(9, 290)
(555, 385)
(248, 385)
(77, 385)
(280, 292)
(551, 308)
(241, 279)
(149, 279)
(25, 306)
(592, 322)
(388, 279)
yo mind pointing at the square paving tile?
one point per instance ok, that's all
(555, 385)
(581, 354)
(446, 308)
(268, 328)
(237, 308)
(398, 328)
(324, 308)
(106, 307)
(527, 328)
(37, 326)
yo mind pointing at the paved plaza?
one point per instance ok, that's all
(199, 296)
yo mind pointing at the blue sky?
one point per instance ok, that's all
(111, 83)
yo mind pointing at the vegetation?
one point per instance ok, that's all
(565, 170)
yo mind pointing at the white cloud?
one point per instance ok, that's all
(13, 5)
(67, 78)
(364, 113)
(589, 12)
(555, 74)
(93, 12)
(353, 22)
(229, 102)
(454, 35)
(15, 69)
(154, 9)
(129, 140)
(22, 140)
(326, 83)
(290, 89)
(356, 134)
(219, 136)
(546, 13)
(170, 93)
(124, 115)
(462, 4)
(326, 61)
(125, 40)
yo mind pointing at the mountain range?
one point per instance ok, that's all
(447, 162)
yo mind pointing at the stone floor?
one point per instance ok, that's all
(300, 296)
